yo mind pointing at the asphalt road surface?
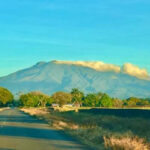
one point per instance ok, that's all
(19, 131)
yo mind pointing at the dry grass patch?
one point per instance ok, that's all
(35, 111)
(126, 143)
(2, 109)
(54, 121)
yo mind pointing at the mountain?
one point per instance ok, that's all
(50, 77)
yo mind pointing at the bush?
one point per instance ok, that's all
(62, 98)
(6, 97)
(35, 99)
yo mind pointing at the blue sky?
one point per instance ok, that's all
(113, 31)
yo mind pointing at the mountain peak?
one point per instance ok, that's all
(40, 63)
(52, 76)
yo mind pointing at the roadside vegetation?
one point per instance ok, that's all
(35, 99)
(4, 108)
(100, 129)
(78, 99)
(6, 97)
(98, 120)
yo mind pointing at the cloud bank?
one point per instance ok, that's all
(97, 65)
(133, 70)
(127, 68)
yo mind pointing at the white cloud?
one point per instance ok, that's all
(97, 65)
(127, 68)
(133, 70)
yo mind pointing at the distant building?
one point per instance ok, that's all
(55, 105)
(68, 105)
(77, 105)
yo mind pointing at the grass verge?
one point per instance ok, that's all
(100, 131)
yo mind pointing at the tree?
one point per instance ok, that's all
(43, 99)
(92, 100)
(35, 99)
(106, 101)
(132, 101)
(117, 102)
(143, 103)
(77, 96)
(62, 98)
(6, 96)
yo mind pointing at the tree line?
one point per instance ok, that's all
(75, 97)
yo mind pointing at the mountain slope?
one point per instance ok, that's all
(51, 77)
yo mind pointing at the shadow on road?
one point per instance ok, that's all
(16, 125)
(21, 119)
(48, 134)
(6, 149)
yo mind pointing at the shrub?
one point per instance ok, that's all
(6, 96)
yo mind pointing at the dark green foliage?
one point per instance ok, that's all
(133, 102)
(77, 96)
(6, 97)
(35, 99)
(143, 103)
(92, 100)
(106, 101)
(98, 100)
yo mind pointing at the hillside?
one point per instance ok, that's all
(50, 77)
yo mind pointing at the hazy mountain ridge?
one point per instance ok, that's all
(50, 77)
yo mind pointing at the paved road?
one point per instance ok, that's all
(19, 131)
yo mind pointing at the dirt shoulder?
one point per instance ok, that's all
(5, 108)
